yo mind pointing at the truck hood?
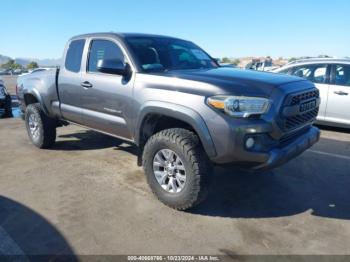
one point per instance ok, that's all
(233, 81)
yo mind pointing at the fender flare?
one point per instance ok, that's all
(38, 97)
(179, 112)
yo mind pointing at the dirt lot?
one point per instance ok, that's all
(87, 196)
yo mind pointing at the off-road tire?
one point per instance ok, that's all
(46, 126)
(187, 146)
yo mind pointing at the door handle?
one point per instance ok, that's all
(86, 84)
(341, 93)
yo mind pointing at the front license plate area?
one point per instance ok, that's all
(307, 106)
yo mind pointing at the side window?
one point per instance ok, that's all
(342, 75)
(74, 55)
(103, 49)
(285, 71)
(302, 71)
(320, 74)
(313, 73)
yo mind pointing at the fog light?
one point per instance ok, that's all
(249, 143)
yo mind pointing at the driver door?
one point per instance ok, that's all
(106, 98)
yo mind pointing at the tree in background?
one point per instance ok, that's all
(236, 61)
(32, 65)
(8, 64)
(225, 60)
(11, 64)
(230, 61)
(292, 59)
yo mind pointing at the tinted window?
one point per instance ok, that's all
(103, 49)
(74, 55)
(313, 73)
(342, 75)
(285, 71)
(164, 54)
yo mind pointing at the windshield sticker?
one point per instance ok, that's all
(199, 54)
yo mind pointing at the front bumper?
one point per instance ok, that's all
(268, 152)
(281, 134)
(279, 156)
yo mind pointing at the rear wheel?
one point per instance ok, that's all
(176, 168)
(40, 128)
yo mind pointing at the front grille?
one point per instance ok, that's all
(300, 119)
(304, 96)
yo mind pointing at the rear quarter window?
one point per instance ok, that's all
(74, 55)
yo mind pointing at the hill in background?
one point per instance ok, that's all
(4, 59)
(25, 61)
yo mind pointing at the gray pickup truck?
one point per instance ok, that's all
(176, 104)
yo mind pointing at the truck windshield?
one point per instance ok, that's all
(159, 54)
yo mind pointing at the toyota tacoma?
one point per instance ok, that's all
(176, 104)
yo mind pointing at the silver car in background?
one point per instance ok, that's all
(332, 77)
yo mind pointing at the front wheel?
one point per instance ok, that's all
(40, 128)
(176, 168)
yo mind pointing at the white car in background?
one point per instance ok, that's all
(332, 77)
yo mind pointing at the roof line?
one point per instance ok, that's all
(121, 35)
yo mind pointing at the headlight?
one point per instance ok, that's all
(240, 106)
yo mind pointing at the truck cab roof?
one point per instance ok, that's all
(119, 35)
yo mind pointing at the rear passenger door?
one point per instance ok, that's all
(107, 102)
(70, 80)
(338, 108)
(319, 75)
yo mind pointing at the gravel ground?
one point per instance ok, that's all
(87, 196)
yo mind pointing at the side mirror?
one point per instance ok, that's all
(113, 66)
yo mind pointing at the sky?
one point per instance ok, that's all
(224, 28)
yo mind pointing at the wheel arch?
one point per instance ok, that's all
(156, 112)
(34, 97)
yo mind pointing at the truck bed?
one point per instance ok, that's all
(41, 84)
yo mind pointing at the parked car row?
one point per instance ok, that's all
(5, 72)
(22, 71)
(261, 65)
(40, 69)
(332, 78)
(13, 71)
